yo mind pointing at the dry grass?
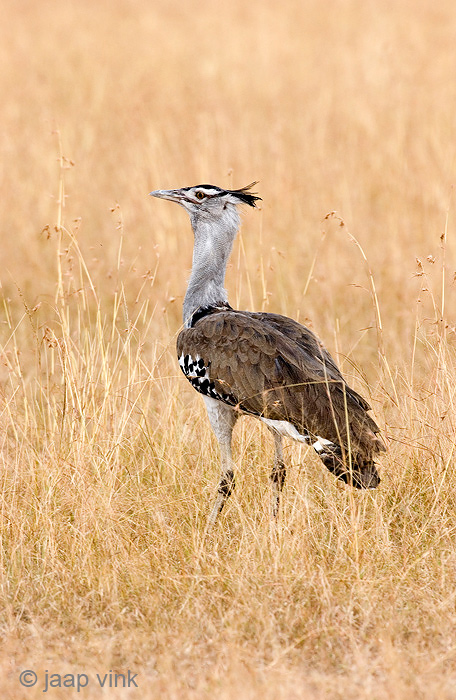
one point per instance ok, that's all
(108, 466)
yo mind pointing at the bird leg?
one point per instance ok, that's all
(278, 474)
(226, 483)
(222, 419)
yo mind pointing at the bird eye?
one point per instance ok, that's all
(199, 195)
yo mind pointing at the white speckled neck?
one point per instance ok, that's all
(213, 243)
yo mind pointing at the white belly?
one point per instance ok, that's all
(283, 427)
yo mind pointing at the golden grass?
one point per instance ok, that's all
(108, 465)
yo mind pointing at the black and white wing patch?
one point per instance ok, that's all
(197, 372)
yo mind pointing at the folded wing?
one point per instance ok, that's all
(272, 367)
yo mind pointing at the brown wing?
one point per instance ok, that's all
(309, 344)
(249, 363)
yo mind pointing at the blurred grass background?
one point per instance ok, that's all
(108, 463)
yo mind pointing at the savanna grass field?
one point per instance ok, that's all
(345, 112)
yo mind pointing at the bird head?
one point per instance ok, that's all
(208, 202)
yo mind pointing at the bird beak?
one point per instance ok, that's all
(171, 195)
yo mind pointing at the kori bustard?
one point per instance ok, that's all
(263, 364)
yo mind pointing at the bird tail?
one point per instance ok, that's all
(356, 471)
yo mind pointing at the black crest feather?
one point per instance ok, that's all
(245, 196)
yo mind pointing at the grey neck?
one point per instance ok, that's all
(212, 249)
